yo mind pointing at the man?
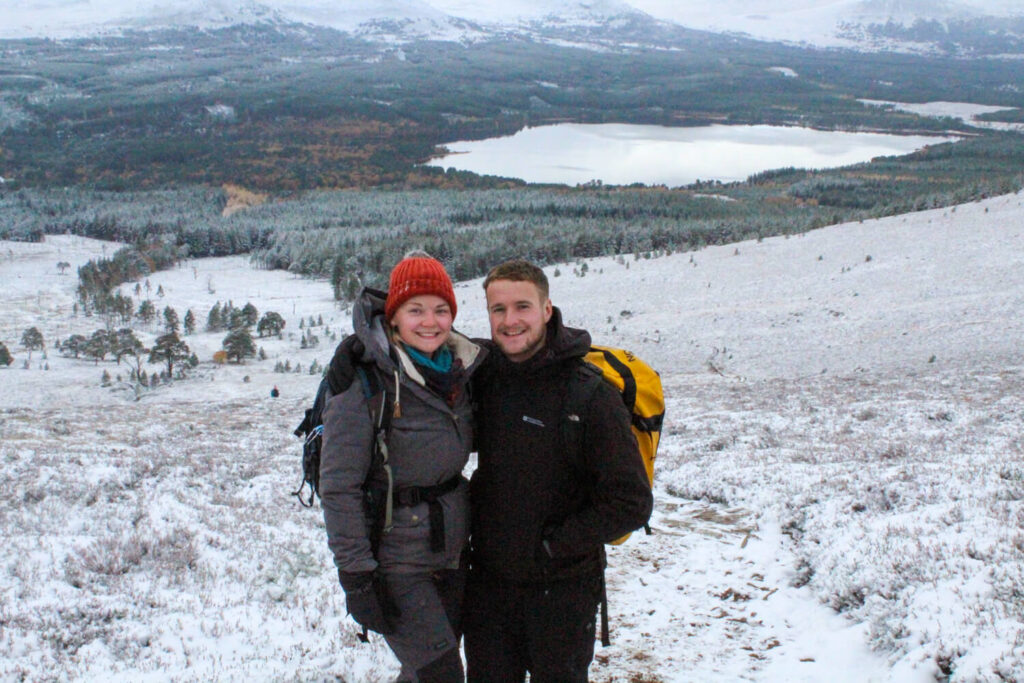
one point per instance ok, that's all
(541, 512)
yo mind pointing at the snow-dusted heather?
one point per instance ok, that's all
(840, 488)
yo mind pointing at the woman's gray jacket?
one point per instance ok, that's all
(428, 444)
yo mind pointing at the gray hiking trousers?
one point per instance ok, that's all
(427, 633)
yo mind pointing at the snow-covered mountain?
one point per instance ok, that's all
(409, 19)
(830, 23)
(845, 23)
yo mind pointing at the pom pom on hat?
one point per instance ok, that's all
(417, 274)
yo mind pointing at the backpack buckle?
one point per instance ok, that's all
(409, 497)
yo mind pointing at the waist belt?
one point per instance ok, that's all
(410, 496)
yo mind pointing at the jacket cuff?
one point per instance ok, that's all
(355, 582)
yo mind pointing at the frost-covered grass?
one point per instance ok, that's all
(155, 541)
(904, 499)
(840, 490)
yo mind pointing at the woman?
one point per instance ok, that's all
(401, 564)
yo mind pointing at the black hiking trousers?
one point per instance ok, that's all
(547, 629)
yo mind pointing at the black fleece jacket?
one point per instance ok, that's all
(528, 489)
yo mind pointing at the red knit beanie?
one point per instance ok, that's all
(415, 275)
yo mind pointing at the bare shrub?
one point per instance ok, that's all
(114, 556)
(894, 451)
(866, 414)
(72, 627)
(110, 556)
(721, 443)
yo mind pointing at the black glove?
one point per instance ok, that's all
(342, 369)
(368, 601)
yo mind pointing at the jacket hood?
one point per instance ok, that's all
(564, 342)
(369, 325)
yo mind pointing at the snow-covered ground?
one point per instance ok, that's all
(965, 111)
(839, 494)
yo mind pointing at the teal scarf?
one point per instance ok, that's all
(440, 362)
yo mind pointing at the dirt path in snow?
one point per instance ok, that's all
(710, 596)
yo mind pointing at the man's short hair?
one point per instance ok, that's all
(519, 270)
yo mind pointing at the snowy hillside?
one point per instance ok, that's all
(840, 488)
(816, 22)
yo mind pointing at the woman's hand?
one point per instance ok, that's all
(368, 601)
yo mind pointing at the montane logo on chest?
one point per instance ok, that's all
(533, 421)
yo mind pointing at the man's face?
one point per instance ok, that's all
(518, 317)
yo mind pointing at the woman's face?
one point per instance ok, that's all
(423, 322)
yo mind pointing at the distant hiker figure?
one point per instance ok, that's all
(274, 393)
(394, 445)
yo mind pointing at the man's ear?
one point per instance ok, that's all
(548, 310)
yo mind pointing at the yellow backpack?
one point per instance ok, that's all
(640, 387)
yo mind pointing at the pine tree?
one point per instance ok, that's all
(237, 320)
(249, 314)
(98, 345)
(270, 324)
(72, 346)
(5, 355)
(171, 321)
(125, 343)
(214, 322)
(146, 312)
(239, 345)
(32, 339)
(189, 322)
(168, 348)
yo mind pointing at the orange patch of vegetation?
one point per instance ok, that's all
(880, 176)
(240, 198)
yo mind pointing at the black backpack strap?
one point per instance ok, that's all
(381, 407)
(311, 429)
(337, 379)
(628, 381)
(583, 381)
